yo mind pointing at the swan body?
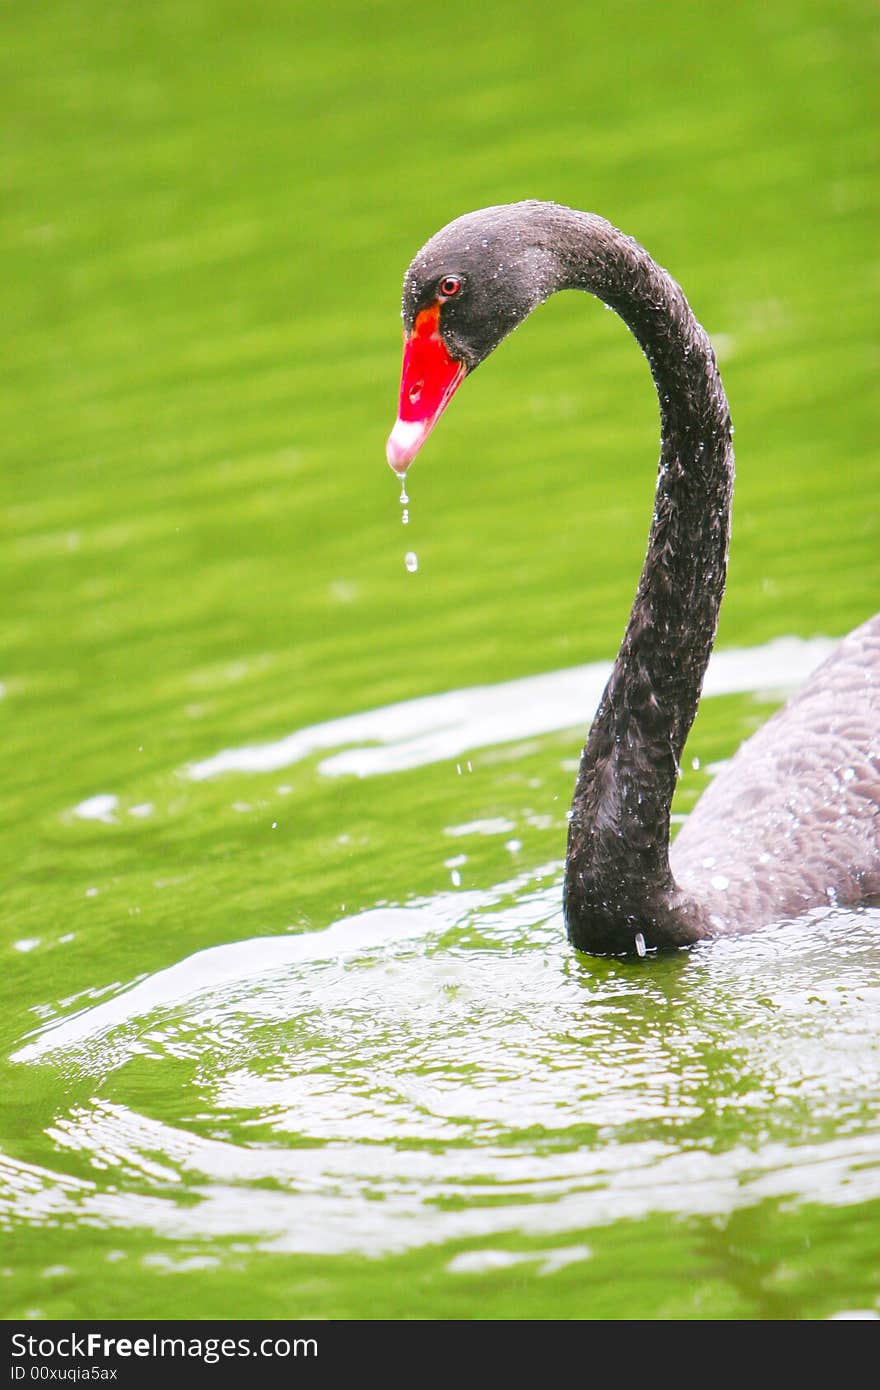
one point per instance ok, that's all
(793, 821)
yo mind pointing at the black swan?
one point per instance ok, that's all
(793, 821)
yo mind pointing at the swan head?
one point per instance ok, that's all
(467, 288)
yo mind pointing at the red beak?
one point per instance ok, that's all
(429, 380)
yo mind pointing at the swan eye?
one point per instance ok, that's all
(449, 286)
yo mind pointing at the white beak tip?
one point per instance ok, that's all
(404, 443)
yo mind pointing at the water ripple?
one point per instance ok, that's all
(414, 733)
(450, 1070)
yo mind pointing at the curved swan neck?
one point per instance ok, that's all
(618, 880)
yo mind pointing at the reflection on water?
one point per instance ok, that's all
(417, 732)
(452, 1071)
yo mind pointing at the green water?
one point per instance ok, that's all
(433, 1109)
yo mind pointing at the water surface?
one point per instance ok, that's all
(289, 1025)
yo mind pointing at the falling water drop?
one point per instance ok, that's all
(411, 560)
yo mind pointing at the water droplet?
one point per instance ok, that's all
(641, 948)
(456, 878)
(411, 560)
(405, 517)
